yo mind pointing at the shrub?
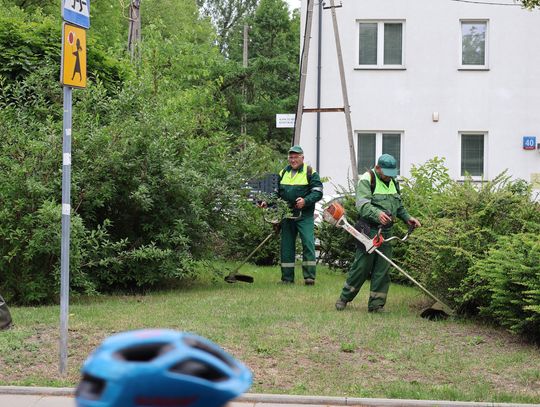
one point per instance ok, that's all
(461, 222)
(507, 284)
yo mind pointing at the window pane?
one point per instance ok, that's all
(393, 39)
(473, 43)
(368, 44)
(472, 154)
(366, 151)
(391, 144)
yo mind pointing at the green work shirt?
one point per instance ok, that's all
(299, 185)
(385, 197)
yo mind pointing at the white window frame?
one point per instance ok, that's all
(379, 144)
(380, 45)
(484, 67)
(484, 170)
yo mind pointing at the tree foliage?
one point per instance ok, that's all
(271, 79)
(530, 4)
(155, 175)
(227, 15)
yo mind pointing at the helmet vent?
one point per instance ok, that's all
(143, 353)
(199, 369)
(90, 387)
(194, 343)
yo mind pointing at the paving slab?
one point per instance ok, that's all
(18, 401)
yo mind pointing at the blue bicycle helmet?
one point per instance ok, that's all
(160, 367)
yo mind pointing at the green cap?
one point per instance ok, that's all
(388, 165)
(296, 149)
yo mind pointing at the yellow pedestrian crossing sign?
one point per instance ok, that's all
(73, 56)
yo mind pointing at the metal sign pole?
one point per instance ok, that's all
(72, 74)
(66, 218)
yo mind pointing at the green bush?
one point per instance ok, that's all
(461, 223)
(507, 282)
(154, 174)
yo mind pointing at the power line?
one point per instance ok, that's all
(488, 3)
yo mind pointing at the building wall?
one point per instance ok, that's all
(503, 101)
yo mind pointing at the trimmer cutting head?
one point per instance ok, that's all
(436, 312)
(233, 278)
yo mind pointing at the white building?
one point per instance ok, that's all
(450, 78)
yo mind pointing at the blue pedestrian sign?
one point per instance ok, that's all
(529, 142)
(77, 12)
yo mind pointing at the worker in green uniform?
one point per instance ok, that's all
(378, 201)
(300, 186)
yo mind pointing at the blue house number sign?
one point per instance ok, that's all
(529, 142)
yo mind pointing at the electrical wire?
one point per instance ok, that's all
(488, 3)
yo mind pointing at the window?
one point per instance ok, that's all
(366, 151)
(380, 44)
(373, 144)
(474, 44)
(472, 154)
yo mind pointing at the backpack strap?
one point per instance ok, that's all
(372, 181)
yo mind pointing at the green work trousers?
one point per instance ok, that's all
(369, 266)
(290, 228)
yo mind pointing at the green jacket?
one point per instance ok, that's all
(300, 186)
(384, 198)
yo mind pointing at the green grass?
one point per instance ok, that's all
(294, 340)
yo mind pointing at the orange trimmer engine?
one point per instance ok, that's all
(335, 215)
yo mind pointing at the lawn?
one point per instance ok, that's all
(294, 340)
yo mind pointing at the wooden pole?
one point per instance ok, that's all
(243, 129)
(134, 36)
(352, 154)
(303, 72)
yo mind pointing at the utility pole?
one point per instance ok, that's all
(134, 36)
(345, 96)
(303, 72)
(245, 65)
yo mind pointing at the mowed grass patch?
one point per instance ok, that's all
(293, 339)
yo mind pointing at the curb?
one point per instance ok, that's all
(286, 399)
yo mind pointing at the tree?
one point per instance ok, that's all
(271, 78)
(156, 179)
(226, 15)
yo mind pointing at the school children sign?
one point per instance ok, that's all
(73, 56)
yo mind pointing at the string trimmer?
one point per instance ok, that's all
(335, 215)
(234, 276)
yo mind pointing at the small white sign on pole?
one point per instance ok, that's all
(285, 121)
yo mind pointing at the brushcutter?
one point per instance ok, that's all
(335, 215)
(234, 276)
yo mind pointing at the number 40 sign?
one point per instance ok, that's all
(529, 142)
